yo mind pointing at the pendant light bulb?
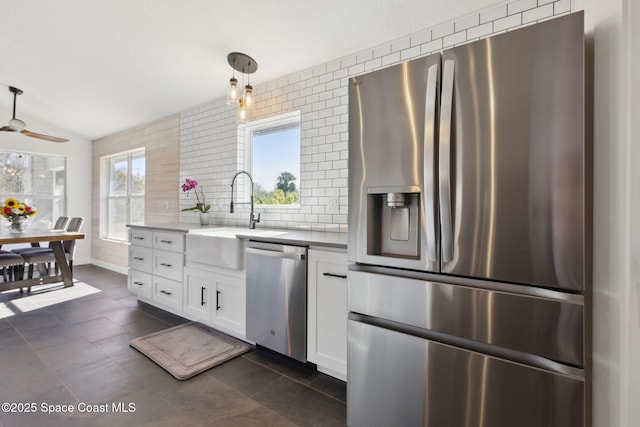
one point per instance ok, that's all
(248, 96)
(232, 92)
(242, 114)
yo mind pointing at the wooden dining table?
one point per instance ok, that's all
(35, 237)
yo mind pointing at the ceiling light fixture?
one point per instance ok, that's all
(244, 100)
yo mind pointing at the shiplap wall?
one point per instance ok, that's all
(161, 141)
(211, 147)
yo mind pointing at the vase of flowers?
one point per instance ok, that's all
(18, 215)
(201, 206)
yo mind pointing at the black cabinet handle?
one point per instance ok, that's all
(218, 300)
(137, 258)
(339, 276)
(138, 283)
(202, 295)
(166, 241)
(165, 292)
(138, 238)
(164, 264)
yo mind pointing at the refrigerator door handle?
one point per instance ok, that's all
(429, 199)
(445, 160)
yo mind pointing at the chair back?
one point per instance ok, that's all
(61, 223)
(75, 224)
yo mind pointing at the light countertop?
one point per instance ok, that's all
(285, 236)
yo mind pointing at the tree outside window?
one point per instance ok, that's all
(274, 160)
(38, 179)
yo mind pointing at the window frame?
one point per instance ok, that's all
(265, 126)
(106, 175)
(57, 202)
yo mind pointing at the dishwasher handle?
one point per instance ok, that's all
(276, 254)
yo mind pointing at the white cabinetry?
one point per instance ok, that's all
(162, 273)
(215, 298)
(156, 263)
(327, 312)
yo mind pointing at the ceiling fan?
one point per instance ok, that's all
(17, 125)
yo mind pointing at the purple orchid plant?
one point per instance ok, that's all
(201, 206)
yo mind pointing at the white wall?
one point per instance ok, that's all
(616, 335)
(631, 336)
(78, 153)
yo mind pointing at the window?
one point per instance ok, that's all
(38, 179)
(124, 175)
(273, 159)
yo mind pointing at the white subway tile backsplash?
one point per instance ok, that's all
(493, 13)
(480, 31)
(212, 149)
(442, 30)
(421, 38)
(410, 53)
(507, 23)
(381, 51)
(373, 64)
(562, 6)
(401, 44)
(466, 22)
(520, 6)
(538, 13)
(454, 39)
(432, 46)
(364, 56)
(389, 59)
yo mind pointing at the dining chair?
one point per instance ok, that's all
(12, 266)
(46, 255)
(61, 224)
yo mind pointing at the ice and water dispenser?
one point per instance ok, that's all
(394, 222)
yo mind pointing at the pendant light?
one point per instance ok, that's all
(243, 100)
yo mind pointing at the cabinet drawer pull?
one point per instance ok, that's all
(166, 241)
(218, 300)
(339, 276)
(138, 238)
(202, 289)
(164, 264)
(137, 258)
(166, 292)
(138, 283)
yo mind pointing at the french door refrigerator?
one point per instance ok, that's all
(468, 235)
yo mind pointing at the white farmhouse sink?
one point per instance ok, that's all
(220, 247)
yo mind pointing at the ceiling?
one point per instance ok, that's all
(96, 67)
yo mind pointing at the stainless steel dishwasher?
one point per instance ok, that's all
(277, 297)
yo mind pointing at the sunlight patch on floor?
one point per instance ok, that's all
(45, 298)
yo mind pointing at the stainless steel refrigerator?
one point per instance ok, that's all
(469, 235)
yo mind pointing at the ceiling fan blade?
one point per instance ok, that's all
(6, 128)
(42, 136)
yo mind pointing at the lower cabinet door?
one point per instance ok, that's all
(216, 299)
(197, 295)
(327, 312)
(229, 311)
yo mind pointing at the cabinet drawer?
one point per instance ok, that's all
(168, 264)
(141, 283)
(140, 258)
(167, 292)
(140, 237)
(173, 242)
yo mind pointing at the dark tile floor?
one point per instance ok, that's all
(76, 353)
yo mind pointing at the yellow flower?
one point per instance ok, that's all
(11, 203)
